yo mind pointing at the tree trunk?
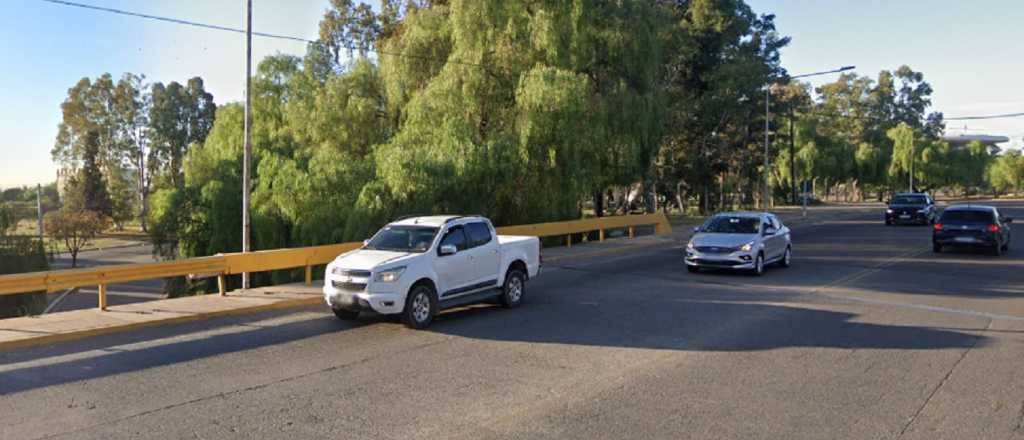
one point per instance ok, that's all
(599, 203)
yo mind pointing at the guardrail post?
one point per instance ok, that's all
(632, 232)
(103, 296)
(309, 275)
(600, 235)
(221, 287)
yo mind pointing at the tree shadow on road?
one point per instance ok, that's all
(116, 359)
(696, 325)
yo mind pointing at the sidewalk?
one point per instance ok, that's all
(65, 326)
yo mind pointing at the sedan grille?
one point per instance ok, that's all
(716, 249)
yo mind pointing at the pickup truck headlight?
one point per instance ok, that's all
(389, 276)
(337, 271)
(747, 247)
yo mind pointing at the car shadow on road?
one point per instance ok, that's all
(160, 348)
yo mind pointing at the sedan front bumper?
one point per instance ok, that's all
(735, 260)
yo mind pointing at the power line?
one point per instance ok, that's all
(975, 118)
(242, 31)
(175, 20)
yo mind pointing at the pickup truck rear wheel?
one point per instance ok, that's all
(514, 288)
(420, 307)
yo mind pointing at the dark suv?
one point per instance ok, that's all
(972, 226)
(916, 208)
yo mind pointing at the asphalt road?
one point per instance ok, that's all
(868, 336)
(117, 294)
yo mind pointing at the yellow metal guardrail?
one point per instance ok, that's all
(260, 261)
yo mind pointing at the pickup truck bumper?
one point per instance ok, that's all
(383, 303)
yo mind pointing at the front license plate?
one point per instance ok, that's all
(905, 216)
(964, 239)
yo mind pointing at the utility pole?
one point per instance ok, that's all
(247, 156)
(39, 209)
(911, 163)
(792, 156)
(767, 194)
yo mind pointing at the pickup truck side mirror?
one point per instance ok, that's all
(769, 231)
(696, 229)
(447, 249)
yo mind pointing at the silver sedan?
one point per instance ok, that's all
(739, 240)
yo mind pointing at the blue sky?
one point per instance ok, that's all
(968, 51)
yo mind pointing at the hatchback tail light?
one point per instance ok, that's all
(937, 226)
(993, 228)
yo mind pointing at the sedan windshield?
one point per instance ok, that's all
(402, 239)
(910, 200)
(724, 224)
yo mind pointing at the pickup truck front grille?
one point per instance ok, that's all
(354, 273)
(349, 286)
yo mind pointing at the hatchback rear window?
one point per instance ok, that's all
(967, 217)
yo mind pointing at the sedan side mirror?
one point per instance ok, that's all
(696, 229)
(447, 249)
(1007, 219)
(366, 242)
(769, 231)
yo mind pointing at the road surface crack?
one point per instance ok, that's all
(942, 383)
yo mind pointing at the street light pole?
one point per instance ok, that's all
(767, 115)
(247, 155)
(766, 197)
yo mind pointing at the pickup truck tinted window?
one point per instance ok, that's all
(457, 237)
(479, 234)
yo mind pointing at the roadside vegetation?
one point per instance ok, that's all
(522, 111)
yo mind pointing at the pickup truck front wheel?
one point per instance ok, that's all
(514, 288)
(420, 307)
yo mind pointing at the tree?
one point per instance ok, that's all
(87, 189)
(179, 117)
(131, 106)
(75, 228)
(8, 218)
(903, 151)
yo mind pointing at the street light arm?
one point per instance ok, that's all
(841, 69)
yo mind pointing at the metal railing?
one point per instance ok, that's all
(222, 265)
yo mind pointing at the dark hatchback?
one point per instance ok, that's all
(977, 226)
(915, 208)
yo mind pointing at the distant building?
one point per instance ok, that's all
(961, 140)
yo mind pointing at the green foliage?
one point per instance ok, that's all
(18, 255)
(75, 229)
(8, 218)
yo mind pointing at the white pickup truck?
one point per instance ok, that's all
(420, 265)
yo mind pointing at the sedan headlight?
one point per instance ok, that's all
(337, 270)
(747, 247)
(920, 211)
(689, 246)
(888, 211)
(390, 275)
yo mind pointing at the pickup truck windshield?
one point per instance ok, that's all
(402, 239)
(909, 200)
(731, 225)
